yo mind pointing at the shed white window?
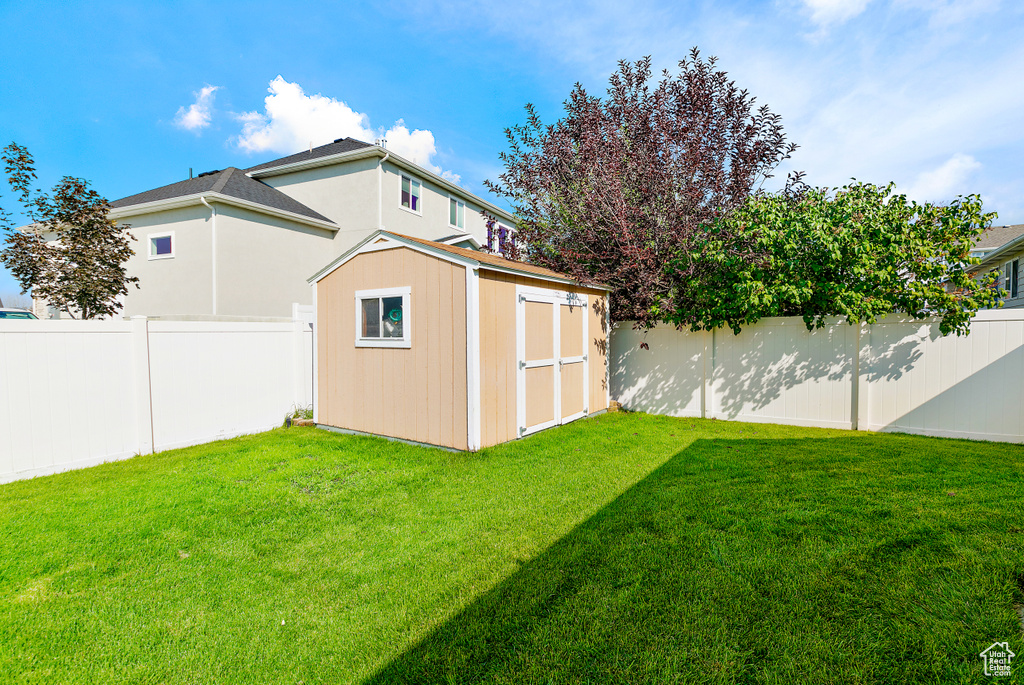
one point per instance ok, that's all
(161, 245)
(411, 190)
(382, 318)
(456, 213)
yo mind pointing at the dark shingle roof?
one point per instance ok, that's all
(232, 182)
(997, 236)
(336, 148)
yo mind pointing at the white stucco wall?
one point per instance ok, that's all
(263, 262)
(432, 222)
(170, 287)
(344, 193)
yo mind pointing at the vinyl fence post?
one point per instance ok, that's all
(705, 358)
(301, 373)
(863, 387)
(855, 378)
(143, 388)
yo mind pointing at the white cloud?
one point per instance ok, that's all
(830, 12)
(196, 116)
(882, 100)
(942, 184)
(293, 120)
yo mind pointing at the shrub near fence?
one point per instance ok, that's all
(894, 375)
(78, 393)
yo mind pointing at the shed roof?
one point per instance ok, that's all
(493, 261)
(483, 260)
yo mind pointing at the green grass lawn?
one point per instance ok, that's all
(622, 549)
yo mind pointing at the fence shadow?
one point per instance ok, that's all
(750, 371)
(758, 376)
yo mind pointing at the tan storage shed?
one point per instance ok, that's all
(439, 344)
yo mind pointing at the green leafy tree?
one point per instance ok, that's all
(859, 251)
(72, 255)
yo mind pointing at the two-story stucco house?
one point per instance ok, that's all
(242, 242)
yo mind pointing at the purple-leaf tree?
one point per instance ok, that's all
(624, 184)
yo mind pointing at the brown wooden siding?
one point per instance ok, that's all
(498, 351)
(417, 393)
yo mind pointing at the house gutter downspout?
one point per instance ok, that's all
(380, 190)
(213, 252)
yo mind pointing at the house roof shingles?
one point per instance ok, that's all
(336, 148)
(997, 236)
(231, 182)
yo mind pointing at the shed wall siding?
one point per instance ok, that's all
(415, 394)
(498, 351)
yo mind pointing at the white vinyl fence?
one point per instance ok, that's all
(78, 393)
(895, 375)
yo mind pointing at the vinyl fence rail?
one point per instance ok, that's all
(79, 393)
(894, 375)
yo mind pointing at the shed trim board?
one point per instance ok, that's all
(473, 391)
(405, 292)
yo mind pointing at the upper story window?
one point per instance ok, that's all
(411, 191)
(1010, 276)
(456, 213)
(382, 318)
(161, 245)
(500, 239)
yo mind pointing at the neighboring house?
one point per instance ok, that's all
(994, 238)
(242, 242)
(1006, 260)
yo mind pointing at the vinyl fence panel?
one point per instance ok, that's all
(79, 393)
(895, 375)
(66, 388)
(918, 381)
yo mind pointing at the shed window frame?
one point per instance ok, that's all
(413, 181)
(150, 242)
(381, 293)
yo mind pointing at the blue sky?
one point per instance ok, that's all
(926, 93)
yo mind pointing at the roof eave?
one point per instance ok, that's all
(378, 151)
(995, 255)
(196, 198)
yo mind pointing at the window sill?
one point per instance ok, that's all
(393, 343)
(154, 257)
(411, 211)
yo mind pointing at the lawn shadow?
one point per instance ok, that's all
(676, 579)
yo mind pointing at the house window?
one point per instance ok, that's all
(456, 213)
(411, 194)
(382, 318)
(1010, 276)
(161, 245)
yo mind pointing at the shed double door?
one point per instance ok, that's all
(552, 365)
